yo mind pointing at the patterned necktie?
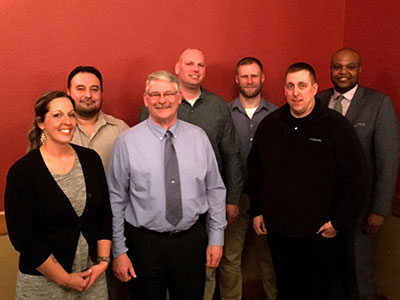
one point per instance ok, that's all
(173, 211)
(338, 104)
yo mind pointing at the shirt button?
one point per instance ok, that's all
(296, 128)
(251, 125)
(172, 181)
(251, 139)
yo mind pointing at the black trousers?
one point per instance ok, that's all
(175, 263)
(309, 268)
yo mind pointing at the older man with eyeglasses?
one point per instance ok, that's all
(164, 185)
(211, 113)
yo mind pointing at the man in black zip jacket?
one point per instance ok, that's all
(306, 182)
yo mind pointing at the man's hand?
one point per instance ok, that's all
(232, 212)
(214, 254)
(327, 230)
(373, 223)
(259, 225)
(123, 268)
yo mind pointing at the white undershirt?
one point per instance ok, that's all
(250, 112)
(193, 101)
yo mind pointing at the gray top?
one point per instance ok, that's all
(73, 186)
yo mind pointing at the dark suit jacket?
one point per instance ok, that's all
(377, 127)
(40, 218)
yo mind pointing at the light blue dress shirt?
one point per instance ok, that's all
(135, 178)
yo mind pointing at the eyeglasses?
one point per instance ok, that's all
(167, 95)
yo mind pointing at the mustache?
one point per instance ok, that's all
(162, 106)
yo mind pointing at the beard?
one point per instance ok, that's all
(250, 94)
(87, 113)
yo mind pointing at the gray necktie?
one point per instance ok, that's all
(173, 211)
(338, 104)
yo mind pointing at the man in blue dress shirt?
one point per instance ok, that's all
(149, 251)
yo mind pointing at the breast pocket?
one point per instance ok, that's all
(363, 130)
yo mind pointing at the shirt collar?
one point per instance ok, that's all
(348, 95)
(236, 104)
(199, 98)
(159, 132)
(102, 119)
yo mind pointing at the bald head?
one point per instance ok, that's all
(191, 68)
(189, 50)
(345, 69)
(347, 52)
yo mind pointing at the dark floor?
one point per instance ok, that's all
(252, 284)
(252, 290)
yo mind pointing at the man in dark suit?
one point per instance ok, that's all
(376, 125)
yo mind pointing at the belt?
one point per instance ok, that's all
(167, 234)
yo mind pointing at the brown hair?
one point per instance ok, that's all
(41, 108)
(248, 61)
(302, 66)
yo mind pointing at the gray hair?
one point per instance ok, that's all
(163, 76)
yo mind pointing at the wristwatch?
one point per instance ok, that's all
(103, 258)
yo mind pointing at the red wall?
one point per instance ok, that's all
(41, 41)
(373, 29)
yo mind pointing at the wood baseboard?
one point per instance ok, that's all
(3, 226)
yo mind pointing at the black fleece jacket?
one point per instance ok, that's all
(305, 172)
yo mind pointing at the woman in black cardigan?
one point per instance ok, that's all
(58, 211)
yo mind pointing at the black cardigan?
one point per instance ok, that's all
(40, 218)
